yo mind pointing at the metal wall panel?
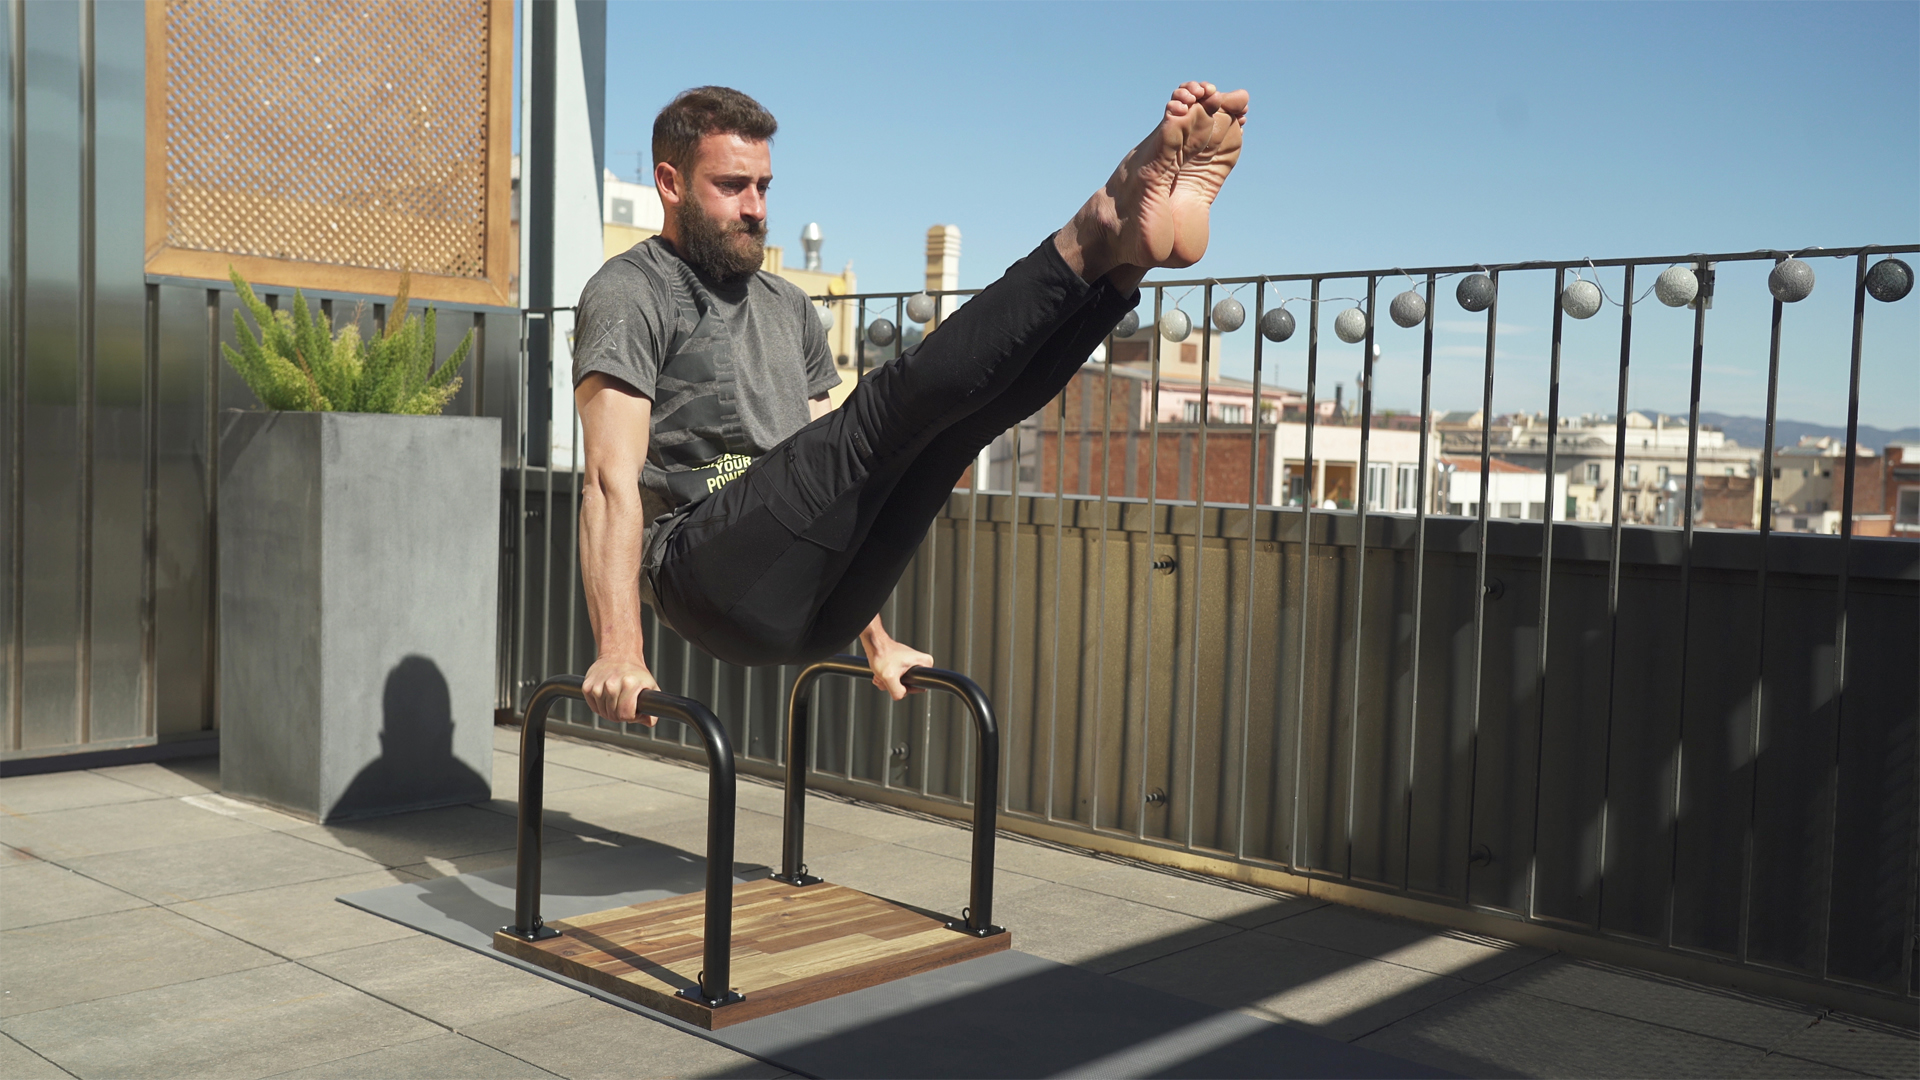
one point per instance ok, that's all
(51, 545)
(119, 570)
(183, 502)
(13, 277)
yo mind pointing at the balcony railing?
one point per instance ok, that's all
(1686, 744)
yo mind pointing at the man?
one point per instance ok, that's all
(762, 526)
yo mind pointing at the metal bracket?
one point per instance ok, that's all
(800, 880)
(699, 997)
(984, 932)
(541, 932)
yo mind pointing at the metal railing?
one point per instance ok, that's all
(1694, 744)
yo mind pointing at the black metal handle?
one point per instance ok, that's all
(986, 787)
(713, 989)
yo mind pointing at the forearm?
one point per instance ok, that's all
(612, 524)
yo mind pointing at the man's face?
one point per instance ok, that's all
(722, 207)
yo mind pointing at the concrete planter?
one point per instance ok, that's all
(358, 566)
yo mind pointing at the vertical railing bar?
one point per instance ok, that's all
(1363, 492)
(1059, 552)
(1749, 851)
(1686, 601)
(1840, 611)
(573, 563)
(1100, 633)
(1306, 564)
(1153, 492)
(1013, 623)
(546, 533)
(981, 463)
(1546, 589)
(1419, 579)
(1613, 592)
(520, 517)
(926, 703)
(1253, 544)
(1197, 590)
(1480, 576)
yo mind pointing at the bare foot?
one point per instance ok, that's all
(1153, 210)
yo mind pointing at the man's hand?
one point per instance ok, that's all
(613, 686)
(891, 660)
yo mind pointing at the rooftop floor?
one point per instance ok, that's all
(151, 927)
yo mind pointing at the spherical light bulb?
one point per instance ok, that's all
(1175, 325)
(1351, 325)
(826, 317)
(1581, 299)
(1676, 286)
(1475, 292)
(1889, 280)
(920, 307)
(1098, 355)
(880, 332)
(1408, 309)
(1128, 325)
(1229, 315)
(1791, 281)
(1277, 325)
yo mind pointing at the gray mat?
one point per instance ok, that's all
(1005, 1015)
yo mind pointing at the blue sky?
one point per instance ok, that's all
(1382, 135)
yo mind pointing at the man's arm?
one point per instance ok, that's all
(615, 424)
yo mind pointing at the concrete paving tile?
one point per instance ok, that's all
(910, 876)
(590, 1040)
(1220, 902)
(756, 838)
(252, 813)
(404, 839)
(506, 778)
(13, 856)
(1488, 1031)
(233, 864)
(1866, 1046)
(1409, 944)
(184, 776)
(637, 768)
(40, 892)
(61, 835)
(100, 956)
(562, 847)
(1012, 853)
(506, 739)
(1337, 994)
(445, 983)
(65, 791)
(19, 1063)
(872, 821)
(1096, 931)
(614, 807)
(243, 1025)
(442, 1057)
(303, 919)
(1657, 999)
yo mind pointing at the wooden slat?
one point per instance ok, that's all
(791, 946)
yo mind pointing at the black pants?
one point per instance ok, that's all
(791, 560)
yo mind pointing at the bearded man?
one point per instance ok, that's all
(720, 488)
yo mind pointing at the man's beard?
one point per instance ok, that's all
(717, 252)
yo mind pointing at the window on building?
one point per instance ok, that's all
(1633, 504)
(1536, 511)
(1907, 511)
(1509, 509)
(1406, 489)
(1191, 413)
(1378, 486)
(1729, 470)
(1233, 414)
(623, 211)
(1593, 472)
(1456, 509)
(1661, 476)
(1633, 474)
(1776, 472)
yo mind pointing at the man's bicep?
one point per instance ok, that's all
(615, 424)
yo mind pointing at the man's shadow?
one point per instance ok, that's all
(416, 768)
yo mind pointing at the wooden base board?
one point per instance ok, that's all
(791, 946)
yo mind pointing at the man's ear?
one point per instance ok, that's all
(666, 181)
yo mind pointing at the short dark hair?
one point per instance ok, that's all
(702, 111)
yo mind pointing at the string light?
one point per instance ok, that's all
(1175, 325)
(1277, 325)
(1580, 299)
(880, 332)
(1676, 286)
(1791, 281)
(1229, 315)
(1475, 292)
(1889, 280)
(826, 316)
(1129, 325)
(1408, 309)
(920, 307)
(1351, 325)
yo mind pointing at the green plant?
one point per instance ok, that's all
(299, 364)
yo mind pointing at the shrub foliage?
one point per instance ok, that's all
(298, 363)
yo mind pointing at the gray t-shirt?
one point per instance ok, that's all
(729, 370)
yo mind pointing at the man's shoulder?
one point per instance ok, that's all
(780, 290)
(644, 270)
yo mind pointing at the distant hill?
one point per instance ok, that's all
(1752, 431)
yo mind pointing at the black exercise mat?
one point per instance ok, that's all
(1005, 1015)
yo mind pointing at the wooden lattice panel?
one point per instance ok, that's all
(331, 144)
